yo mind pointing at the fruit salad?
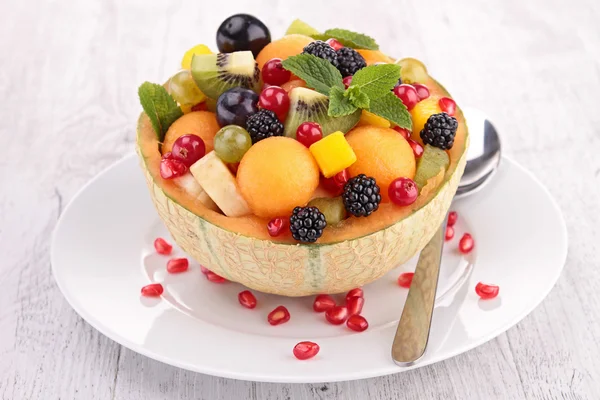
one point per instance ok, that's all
(315, 137)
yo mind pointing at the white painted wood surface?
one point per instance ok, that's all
(69, 72)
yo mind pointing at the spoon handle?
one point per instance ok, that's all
(412, 334)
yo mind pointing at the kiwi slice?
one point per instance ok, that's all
(430, 163)
(217, 73)
(306, 105)
(332, 207)
(302, 28)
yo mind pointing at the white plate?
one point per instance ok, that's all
(102, 255)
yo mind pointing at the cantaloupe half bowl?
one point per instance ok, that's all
(353, 253)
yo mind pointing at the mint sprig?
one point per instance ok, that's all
(390, 107)
(160, 107)
(349, 39)
(318, 73)
(339, 105)
(377, 80)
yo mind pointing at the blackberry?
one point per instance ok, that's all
(349, 61)
(263, 124)
(439, 131)
(307, 224)
(361, 196)
(322, 50)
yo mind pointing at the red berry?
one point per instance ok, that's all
(357, 323)
(273, 72)
(404, 132)
(405, 279)
(189, 149)
(417, 148)
(306, 350)
(422, 91)
(278, 316)
(452, 218)
(204, 270)
(171, 168)
(152, 290)
(403, 191)
(275, 99)
(334, 43)
(275, 226)
(309, 133)
(447, 105)
(347, 81)
(162, 246)
(337, 315)
(335, 185)
(466, 243)
(356, 292)
(323, 302)
(176, 265)
(247, 299)
(407, 94)
(214, 278)
(355, 305)
(200, 107)
(449, 232)
(487, 291)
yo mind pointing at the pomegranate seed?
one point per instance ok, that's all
(275, 99)
(273, 72)
(403, 191)
(204, 270)
(337, 315)
(171, 168)
(408, 95)
(306, 350)
(357, 323)
(323, 302)
(405, 279)
(152, 290)
(200, 107)
(404, 132)
(214, 278)
(466, 244)
(188, 149)
(177, 265)
(422, 91)
(487, 291)
(278, 316)
(309, 133)
(275, 226)
(447, 105)
(449, 232)
(355, 305)
(162, 246)
(417, 148)
(335, 185)
(247, 299)
(452, 218)
(347, 81)
(334, 43)
(356, 292)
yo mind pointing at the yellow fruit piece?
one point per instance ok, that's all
(186, 62)
(413, 70)
(421, 113)
(185, 108)
(333, 154)
(368, 118)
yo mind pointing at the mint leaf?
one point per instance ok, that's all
(318, 74)
(357, 97)
(339, 103)
(349, 38)
(377, 80)
(159, 106)
(391, 108)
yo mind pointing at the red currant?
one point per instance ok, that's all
(357, 323)
(466, 243)
(152, 290)
(162, 246)
(404, 132)
(306, 350)
(177, 265)
(171, 168)
(449, 232)
(278, 316)
(347, 81)
(275, 226)
(487, 291)
(408, 95)
(447, 105)
(309, 133)
(405, 279)
(334, 43)
(214, 278)
(452, 218)
(403, 191)
(417, 148)
(247, 299)
(273, 72)
(188, 149)
(275, 99)
(422, 91)
(335, 185)
(323, 302)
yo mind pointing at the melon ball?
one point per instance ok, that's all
(287, 46)
(276, 175)
(381, 153)
(199, 123)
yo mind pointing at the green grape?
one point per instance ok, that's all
(413, 71)
(231, 143)
(184, 90)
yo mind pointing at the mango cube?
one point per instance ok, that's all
(333, 154)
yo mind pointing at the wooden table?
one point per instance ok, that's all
(69, 72)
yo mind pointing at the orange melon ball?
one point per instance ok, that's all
(276, 175)
(381, 153)
(293, 84)
(287, 46)
(375, 56)
(199, 123)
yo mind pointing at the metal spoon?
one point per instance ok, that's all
(483, 158)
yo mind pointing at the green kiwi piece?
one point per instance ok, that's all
(430, 163)
(331, 207)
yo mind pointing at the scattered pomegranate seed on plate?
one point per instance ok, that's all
(357, 323)
(449, 232)
(337, 315)
(466, 243)
(214, 278)
(152, 290)
(323, 302)
(405, 279)
(278, 316)
(247, 299)
(306, 350)
(162, 246)
(452, 218)
(356, 292)
(487, 292)
(177, 265)
(204, 269)
(355, 305)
